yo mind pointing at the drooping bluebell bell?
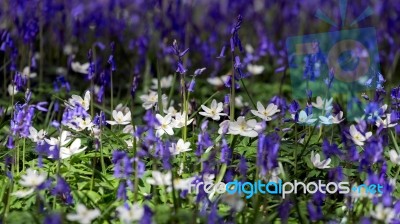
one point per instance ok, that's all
(54, 218)
(61, 82)
(100, 119)
(239, 74)
(147, 216)
(222, 54)
(123, 164)
(203, 140)
(329, 80)
(20, 81)
(213, 217)
(92, 66)
(314, 211)
(63, 190)
(243, 167)
(330, 149)
(30, 30)
(284, 210)
(111, 60)
(336, 174)
(373, 151)
(134, 85)
(179, 54)
(191, 85)
(280, 102)
(121, 191)
(226, 152)
(22, 119)
(235, 40)
(267, 152)
(228, 83)
(10, 142)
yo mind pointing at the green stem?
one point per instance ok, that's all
(112, 91)
(248, 94)
(5, 76)
(7, 208)
(222, 171)
(103, 166)
(171, 91)
(23, 155)
(159, 93)
(295, 149)
(232, 100)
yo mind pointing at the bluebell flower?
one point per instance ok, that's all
(243, 167)
(148, 215)
(54, 218)
(191, 85)
(63, 190)
(267, 152)
(235, 40)
(222, 54)
(284, 210)
(314, 211)
(226, 152)
(134, 85)
(179, 54)
(10, 142)
(330, 149)
(335, 174)
(203, 140)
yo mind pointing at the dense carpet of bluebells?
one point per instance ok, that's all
(114, 111)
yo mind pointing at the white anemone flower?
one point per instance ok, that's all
(323, 104)
(179, 120)
(338, 118)
(182, 184)
(120, 118)
(357, 137)
(12, 89)
(84, 215)
(63, 140)
(304, 118)
(165, 125)
(74, 148)
(32, 178)
(129, 215)
(165, 82)
(243, 127)
(384, 214)
(179, 147)
(214, 112)
(81, 124)
(159, 178)
(80, 68)
(218, 81)
(316, 161)
(385, 123)
(394, 157)
(27, 72)
(326, 120)
(152, 99)
(84, 102)
(265, 113)
(35, 135)
(255, 69)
